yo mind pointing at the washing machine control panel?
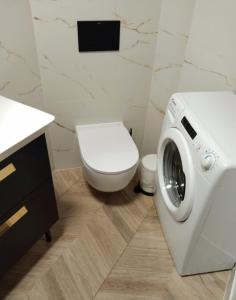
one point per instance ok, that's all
(175, 108)
(206, 156)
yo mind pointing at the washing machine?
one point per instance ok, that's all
(196, 180)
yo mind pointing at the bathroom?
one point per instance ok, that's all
(109, 245)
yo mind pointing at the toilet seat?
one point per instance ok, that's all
(107, 148)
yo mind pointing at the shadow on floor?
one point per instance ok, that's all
(120, 198)
(22, 267)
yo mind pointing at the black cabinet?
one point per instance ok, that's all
(27, 201)
(23, 172)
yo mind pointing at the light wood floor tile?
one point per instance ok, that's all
(206, 286)
(131, 284)
(20, 280)
(87, 242)
(126, 213)
(64, 179)
(146, 271)
(106, 246)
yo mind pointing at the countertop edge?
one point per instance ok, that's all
(26, 140)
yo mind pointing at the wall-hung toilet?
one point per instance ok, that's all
(109, 155)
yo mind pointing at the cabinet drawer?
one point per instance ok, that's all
(22, 172)
(25, 224)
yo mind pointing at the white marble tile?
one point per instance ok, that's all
(165, 46)
(152, 129)
(82, 88)
(67, 158)
(164, 84)
(19, 72)
(211, 51)
(175, 22)
(135, 119)
(176, 17)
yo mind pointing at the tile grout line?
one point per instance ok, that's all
(57, 198)
(54, 185)
(116, 262)
(128, 243)
(62, 194)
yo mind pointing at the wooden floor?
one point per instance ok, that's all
(105, 247)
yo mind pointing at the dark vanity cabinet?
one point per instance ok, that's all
(27, 201)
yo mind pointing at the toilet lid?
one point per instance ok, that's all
(107, 148)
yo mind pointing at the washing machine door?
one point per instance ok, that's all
(175, 174)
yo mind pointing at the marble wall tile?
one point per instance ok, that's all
(175, 21)
(174, 25)
(211, 52)
(153, 128)
(19, 72)
(82, 88)
(165, 46)
(195, 52)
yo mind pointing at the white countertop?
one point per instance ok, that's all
(19, 125)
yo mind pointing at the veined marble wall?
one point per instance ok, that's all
(19, 72)
(210, 60)
(174, 26)
(81, 88)
(197, 53)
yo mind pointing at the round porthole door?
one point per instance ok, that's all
(175, 174)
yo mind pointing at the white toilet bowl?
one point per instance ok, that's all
(109, 155)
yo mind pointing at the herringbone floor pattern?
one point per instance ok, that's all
(105, 247)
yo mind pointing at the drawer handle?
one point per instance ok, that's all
(13, 220)
(7, 171)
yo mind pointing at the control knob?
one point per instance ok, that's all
(208, 161)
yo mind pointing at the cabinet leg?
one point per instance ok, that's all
(48, 236)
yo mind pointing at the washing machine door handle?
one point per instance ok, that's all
(175, 174)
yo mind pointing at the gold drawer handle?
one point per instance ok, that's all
(13, 220)
(7, 171)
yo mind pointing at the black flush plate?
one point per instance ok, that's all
(98, 35)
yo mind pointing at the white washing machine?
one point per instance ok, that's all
(196, 179)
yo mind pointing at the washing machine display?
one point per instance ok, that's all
(188, 128)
